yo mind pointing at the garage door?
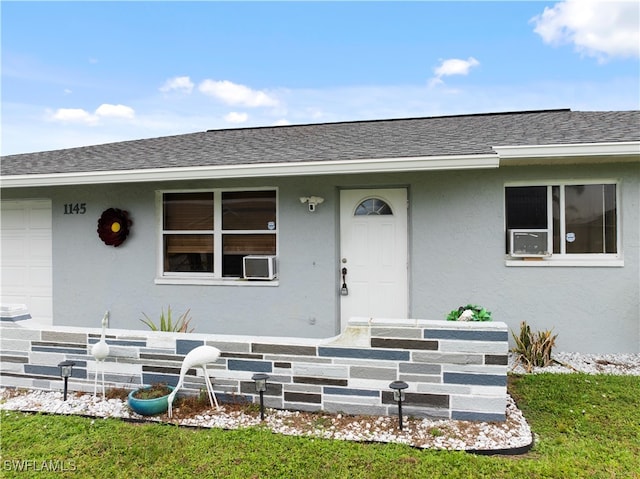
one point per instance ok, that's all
(26, 252)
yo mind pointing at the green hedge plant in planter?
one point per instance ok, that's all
(469, 312)
(150, 400)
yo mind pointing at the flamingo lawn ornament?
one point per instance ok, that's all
(197, 357)
(100, 351)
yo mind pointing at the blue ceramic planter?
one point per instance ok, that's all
(148, 407)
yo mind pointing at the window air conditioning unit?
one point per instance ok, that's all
(259, 267)
(526, 243)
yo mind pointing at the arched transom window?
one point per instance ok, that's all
(373, 206)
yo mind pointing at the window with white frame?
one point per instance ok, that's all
(575, 219)
(206, 234)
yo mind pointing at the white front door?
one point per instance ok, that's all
(373, 254)
(26, 256)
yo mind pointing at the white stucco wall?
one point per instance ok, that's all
(456, 254)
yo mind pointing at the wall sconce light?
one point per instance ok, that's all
(261, 386)
(66, 368)
(312, 201)
(398, 395)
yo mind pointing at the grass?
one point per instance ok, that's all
(585, 426)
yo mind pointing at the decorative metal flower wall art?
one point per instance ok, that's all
(113, 226)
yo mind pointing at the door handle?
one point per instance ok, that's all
(344, 291)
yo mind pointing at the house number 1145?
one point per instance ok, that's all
(75, 208)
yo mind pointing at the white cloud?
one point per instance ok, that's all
(182, 84)
(74, 115)
(281, 122)
(115, 111)
(235, 117)
(453, 66)
(597, 28)
(235, 94)
(78, 115)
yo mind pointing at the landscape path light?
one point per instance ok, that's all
(398, 395)
(261, 386)
(66, 368)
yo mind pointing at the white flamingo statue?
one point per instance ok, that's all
(197, 357)
(100, 351)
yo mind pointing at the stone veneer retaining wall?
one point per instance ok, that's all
(455, 370)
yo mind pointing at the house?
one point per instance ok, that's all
(291, 230)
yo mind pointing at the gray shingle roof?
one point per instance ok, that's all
(400, 138)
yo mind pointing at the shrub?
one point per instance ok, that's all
(470, 312)
(533, 349)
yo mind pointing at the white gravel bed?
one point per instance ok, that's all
(422, 433)
(513, 434)
(618, 364)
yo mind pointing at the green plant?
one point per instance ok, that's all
(470, 312)
(166, 322)
(533, 349)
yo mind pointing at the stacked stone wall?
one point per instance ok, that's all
(455, 370)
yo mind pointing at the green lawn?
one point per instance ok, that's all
(585, 427)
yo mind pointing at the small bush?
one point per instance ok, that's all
(192, 404)
(533, 349)
(117, 393)
(470, 312)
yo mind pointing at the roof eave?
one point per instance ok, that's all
(504, 156)
(569, 153)
(309, 168)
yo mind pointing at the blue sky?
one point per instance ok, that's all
(81, 73)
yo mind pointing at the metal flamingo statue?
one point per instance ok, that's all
(100, 351)
(197, 357)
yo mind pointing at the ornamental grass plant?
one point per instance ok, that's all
(533, 349)
(166, 323)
